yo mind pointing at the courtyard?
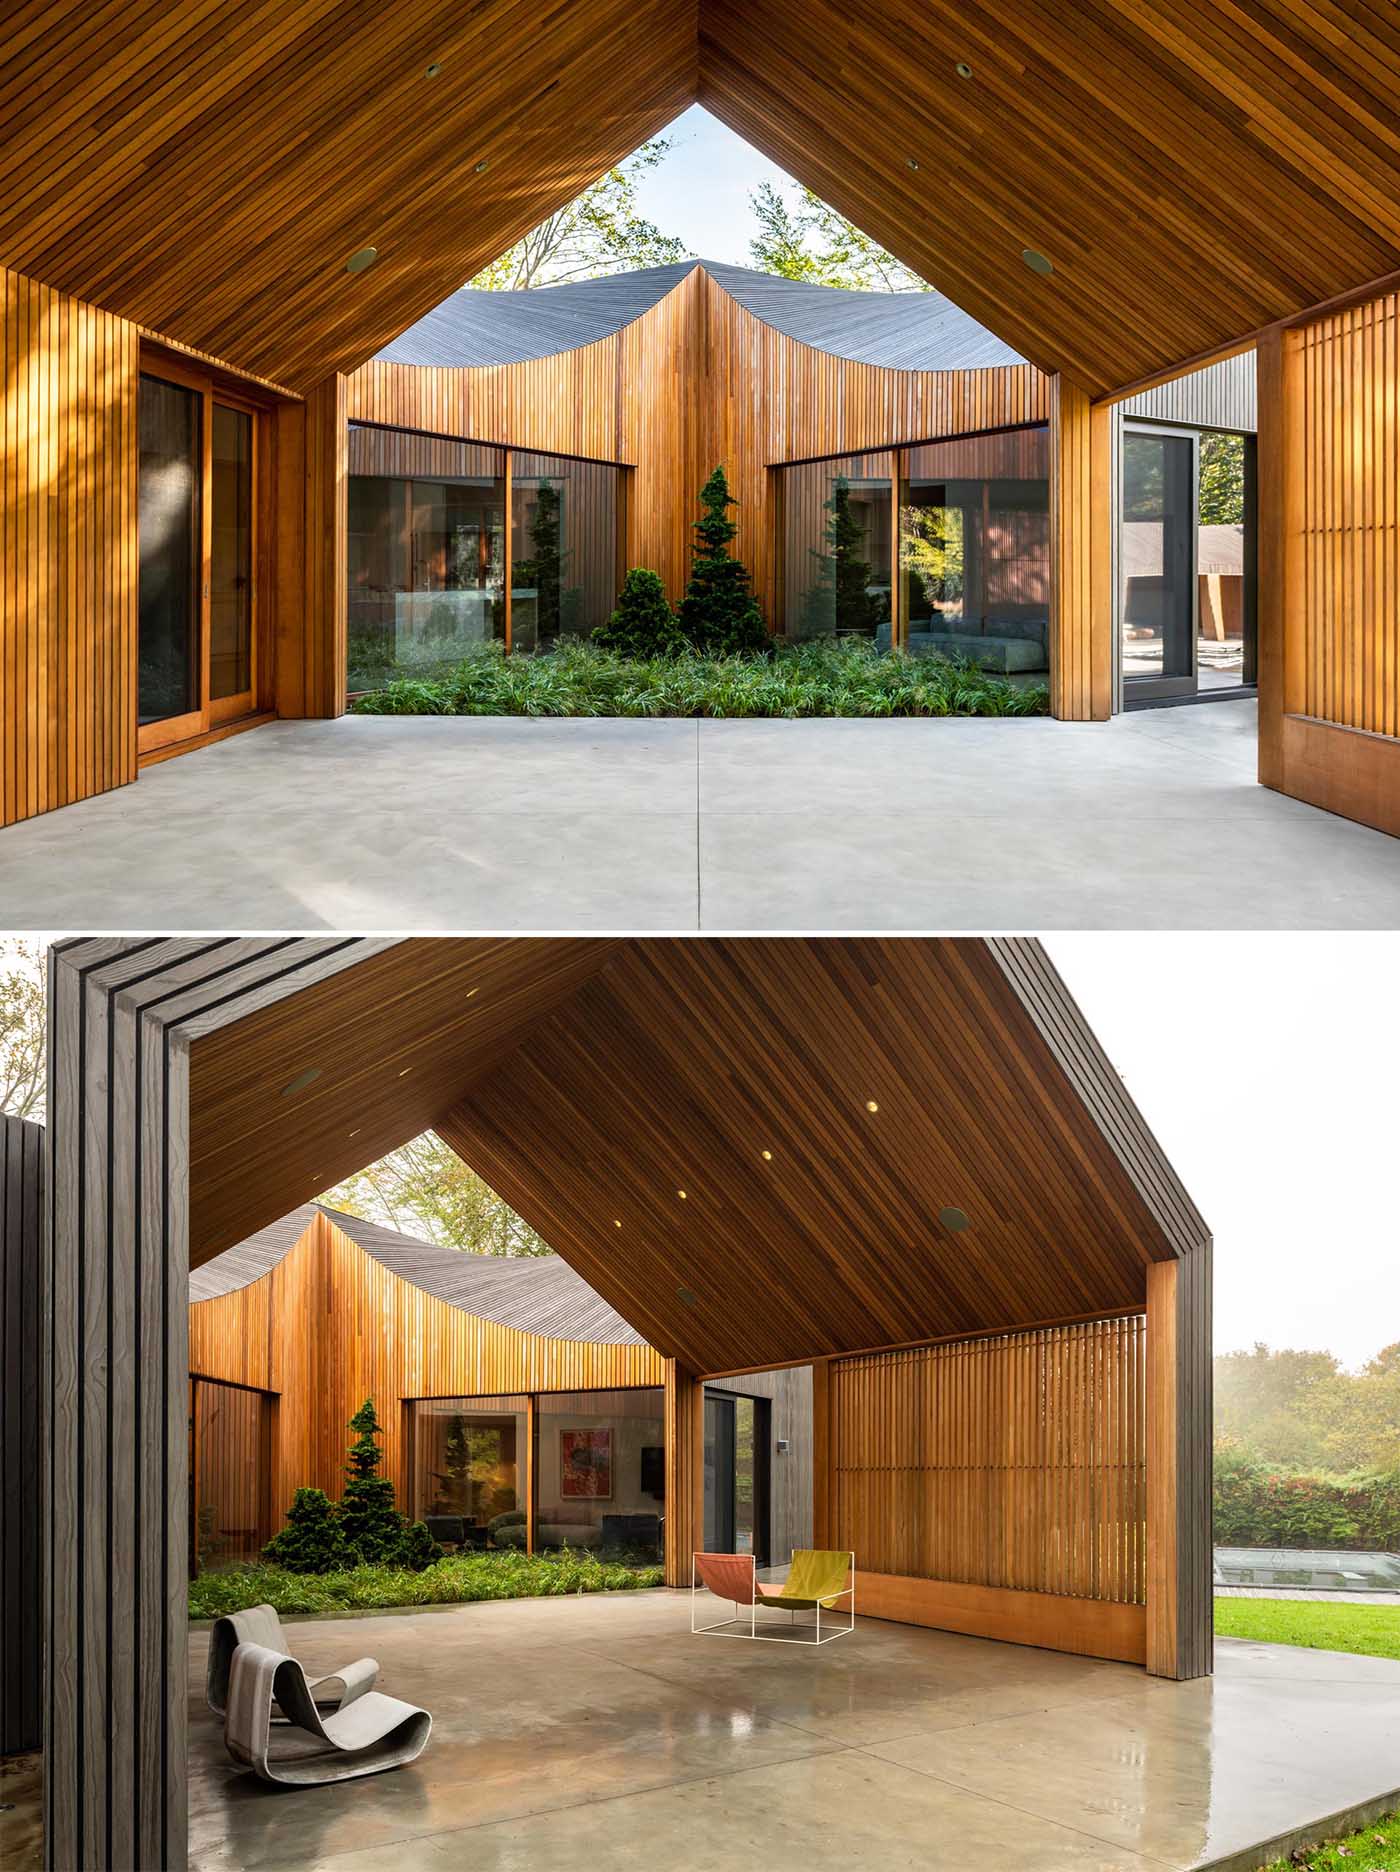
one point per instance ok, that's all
(598, 1731)
(1151, 820)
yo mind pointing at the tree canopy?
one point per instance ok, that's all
(598, 233)
(22, 1067)
(425, 1189)
(1302, 1410)
(811, 241)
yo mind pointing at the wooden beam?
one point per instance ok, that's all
(685, 1471)
(1180, 1603)
(1081, 595)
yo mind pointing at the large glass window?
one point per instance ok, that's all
(974, 550)
(170, 490)
(230, 1474)
(837, 530)
(563, 548)
(231, 555)
(467, 1458)
(600, 1471)
(427, 553)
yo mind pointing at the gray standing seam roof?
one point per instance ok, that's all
(902, 331)
(533, 1293)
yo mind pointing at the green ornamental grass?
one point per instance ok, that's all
(834, 677)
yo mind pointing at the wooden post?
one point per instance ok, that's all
(531, 1491)
(323, 620)
(821, 1452)
(1081, 588)
(1180, 1601)
(685, 1471)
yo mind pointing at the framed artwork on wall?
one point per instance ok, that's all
(585, 1464)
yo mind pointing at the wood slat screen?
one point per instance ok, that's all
(1015, 1461)
(1350, 517)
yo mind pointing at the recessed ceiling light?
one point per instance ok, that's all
(1036, 261)
(870, 1105)
(470, 993)
(433, 69)
(685, 1296)
(355, 1132)
(481, 166)
(767, 1156)
(406, 1071)
(911, 162)
(681, 1194)
(302, 1081)
(617, 1222)
(963, 69)
(358, 262)
(954, 1219)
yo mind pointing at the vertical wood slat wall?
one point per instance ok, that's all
(1329, 562)
(234, 1512)
(1081, 636)
(21, 1519)
(390, 1341)
(67, 549)
(1015, 1462)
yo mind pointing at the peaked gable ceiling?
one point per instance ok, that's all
(1192, 169)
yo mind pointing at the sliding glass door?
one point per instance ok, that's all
(197, 556)
(737, 1444)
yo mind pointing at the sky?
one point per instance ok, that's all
(700, 192)
(1266, 1064)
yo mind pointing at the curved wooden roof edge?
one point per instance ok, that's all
(538, 1294)
(475, 329)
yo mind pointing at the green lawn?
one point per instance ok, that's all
(1373, 1630)
(455, 1580)
(1375, 1848)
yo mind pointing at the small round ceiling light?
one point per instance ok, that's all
(954, 1220)
(1036, 261)
(406, 1071)
(871, 1106)
(302, 1081)
(433, 69)
(963, 69)
(681, 1194)
(685, 1296)
(911, 162)
(767, 1156)
(483, 165)
(617, 1221)
(361, 262)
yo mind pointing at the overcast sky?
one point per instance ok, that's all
(1267, 1066)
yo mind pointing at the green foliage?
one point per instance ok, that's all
(1325, 1625)
(22, 1070)
(848, 677)
(813, 242)
(931, 548)
(643, 625)
(1221, 497)
(312, 1541)
(719, 614)
(543, 572)
(1302, 1410)
(457, 1579)
(1258, 1504)
(372, 1525)
(1376, 1848)
(599, 232)
(425, 1189)
(840, 600)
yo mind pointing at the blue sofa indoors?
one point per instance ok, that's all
(1008, 645)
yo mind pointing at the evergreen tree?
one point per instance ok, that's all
(546, 561)
(643, 625)
(372, 1525)
(841, 600)
(312, 1541)
(719, 614)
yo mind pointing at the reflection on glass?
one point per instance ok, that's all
(168, 681)
(1158, 555)
(426, 553)
(229, 1464)
(974, 551)
(837, 525)
(468, 1469)
(1221, 600)
(231, 555)
(745, 1475)
(600, 1474)
(563, 548)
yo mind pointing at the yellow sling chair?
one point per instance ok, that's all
(816, 1579)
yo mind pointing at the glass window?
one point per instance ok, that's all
(600, 1471)
(1223, 599)
(231, 555)
(426, 553)
(171, 550)
(837, 529)
(230, 1463)
(974, 549)
(563, 548)
(467, 1461)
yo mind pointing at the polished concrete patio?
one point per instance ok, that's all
(595, 1732)
(1153, 820)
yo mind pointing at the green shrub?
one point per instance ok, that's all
(457, 1579)
(312, 1541)
(1258, 1504)
(847, 677)
(719, 614)
(364, 1527)
(643, 625)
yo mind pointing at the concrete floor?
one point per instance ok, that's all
(1153, 820)
(575, 1733)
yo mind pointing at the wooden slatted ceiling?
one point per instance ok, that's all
(208, 169)
(1195, 170)
(682, 1062)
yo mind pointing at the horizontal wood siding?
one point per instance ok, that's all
(68, 566)
(329, 1326)
(22, 1313)
(1014, 1462)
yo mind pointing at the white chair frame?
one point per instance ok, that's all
(721, 1628)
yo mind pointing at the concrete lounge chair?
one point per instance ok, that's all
(374, 1733)
(261, 1625)
(817, 1578)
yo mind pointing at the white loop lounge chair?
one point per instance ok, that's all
(374, 1733)
(260, 1625)
(818, 1578)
